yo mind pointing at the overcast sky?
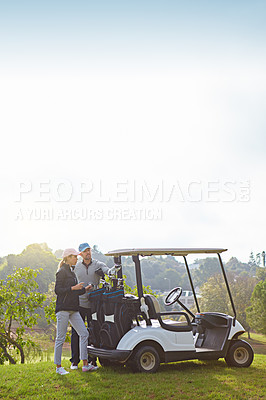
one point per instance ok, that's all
(133, 124)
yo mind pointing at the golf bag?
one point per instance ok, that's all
(112, 318)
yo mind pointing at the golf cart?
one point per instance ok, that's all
(132, 330)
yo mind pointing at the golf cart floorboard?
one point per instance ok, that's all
(197, 354)
(209, 354)
(204, 350)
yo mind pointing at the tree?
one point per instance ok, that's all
(261, 274)
(258, 259)
(252, 260)
(58, 253)
(237, 267)
(35, 256)
(263, 258)
(214, 296)
(207, 267)
(242, 288)
(18, 301)
(49, 310)
(256, 313)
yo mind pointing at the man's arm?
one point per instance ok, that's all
(103, 267)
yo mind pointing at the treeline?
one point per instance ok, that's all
(160, 273)
(39, 256)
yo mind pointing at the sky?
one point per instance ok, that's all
(133, 124)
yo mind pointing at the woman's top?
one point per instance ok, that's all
(67, 299)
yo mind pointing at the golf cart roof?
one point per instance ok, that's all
(163, 251)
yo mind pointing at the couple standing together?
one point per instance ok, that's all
(73, 283)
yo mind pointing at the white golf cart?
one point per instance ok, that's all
(131, 330)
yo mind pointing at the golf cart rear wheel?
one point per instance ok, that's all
(146, 359)
(240, 354)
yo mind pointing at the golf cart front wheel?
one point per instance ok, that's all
(146, 359)
(240, 354)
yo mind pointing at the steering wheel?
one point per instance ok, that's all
(173, 296)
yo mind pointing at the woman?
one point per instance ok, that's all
(68, 291)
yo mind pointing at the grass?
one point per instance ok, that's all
(186, 380)
(257, 341)
(183, 380)
(43, 350)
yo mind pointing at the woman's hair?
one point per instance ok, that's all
(64, 261)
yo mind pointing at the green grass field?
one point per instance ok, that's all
(257, 341)
(183, 380)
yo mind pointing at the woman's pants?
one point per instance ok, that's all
(63, 317)
(86, 316)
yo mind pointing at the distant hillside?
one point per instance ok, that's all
(161, 273)
(34, 256)
(39, 255)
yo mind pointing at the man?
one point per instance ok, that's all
(85, 272)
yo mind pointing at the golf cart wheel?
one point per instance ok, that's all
(146, 359)
(240, 354)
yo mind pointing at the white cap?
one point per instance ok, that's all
(70, 252)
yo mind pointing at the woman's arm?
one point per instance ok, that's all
(60, 283)
(61, 287)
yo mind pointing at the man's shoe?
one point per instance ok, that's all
(61, 371)
(89, 368)
(73, 366)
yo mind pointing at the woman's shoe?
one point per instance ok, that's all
(89, 368)
(61, 371)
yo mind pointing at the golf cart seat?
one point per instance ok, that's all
(153, 305)
(173, 322)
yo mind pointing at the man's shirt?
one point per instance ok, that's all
(87, 275)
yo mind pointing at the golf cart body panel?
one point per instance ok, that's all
(169, 341)
(120, 356)
(236, 330)
(157, 336)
